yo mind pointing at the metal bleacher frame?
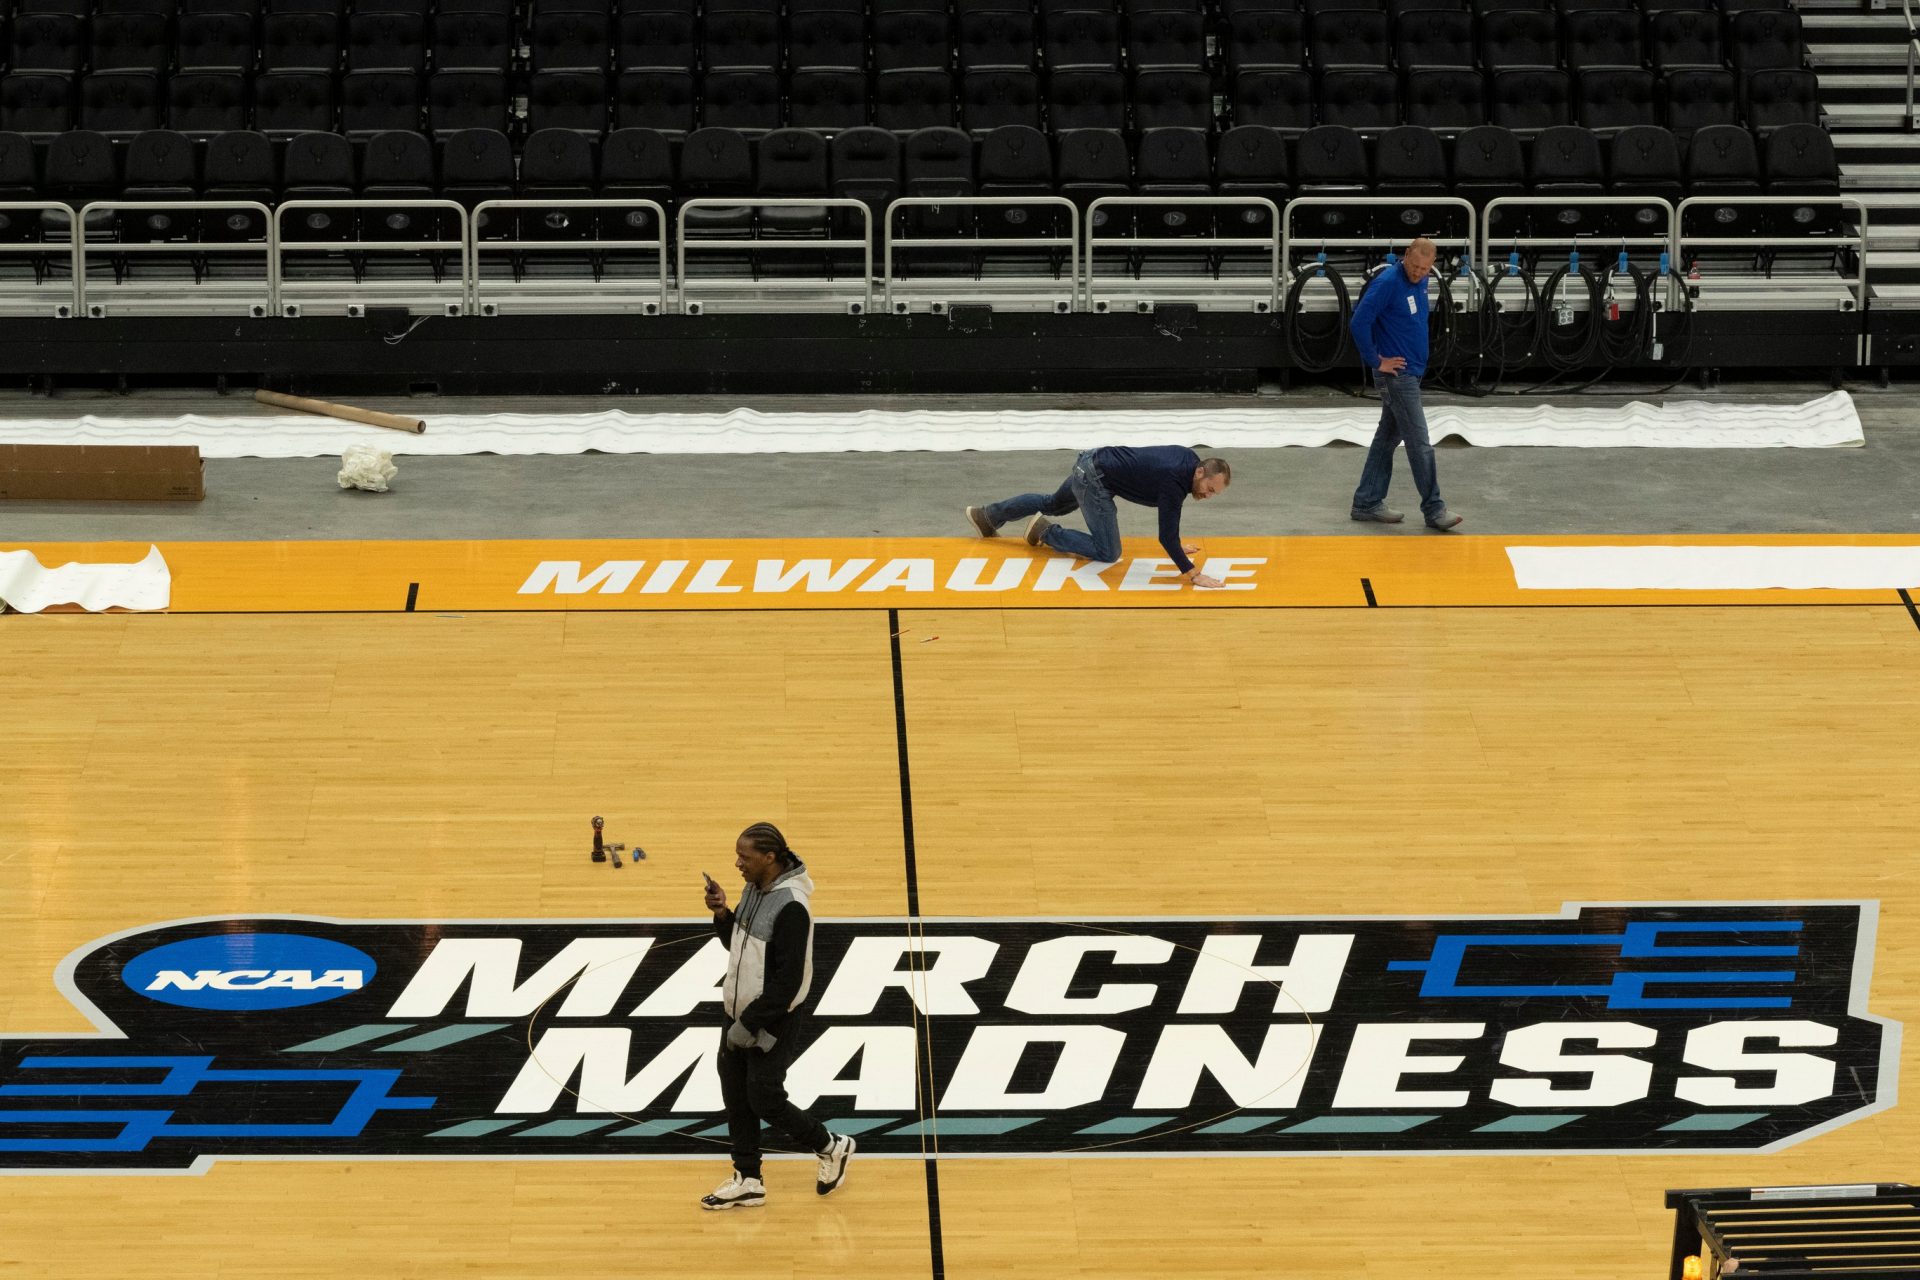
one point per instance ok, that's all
(347, 276)
(1860, 1231)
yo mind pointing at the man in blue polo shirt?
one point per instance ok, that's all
(1160, 476)
(1390, 331)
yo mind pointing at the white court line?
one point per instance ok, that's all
(1717, 568)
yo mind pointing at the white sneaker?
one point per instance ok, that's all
(833, 1163)
(736, 1193)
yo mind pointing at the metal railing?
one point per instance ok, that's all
(1913, 55)
(248, 296)
(597, 291)
(1373, 245)
(1041, 290)
(63, 301)
(1263, 294)
(829, 286)
(1769, 241)
(330, 291)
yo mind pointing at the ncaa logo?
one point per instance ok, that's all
(242, 972)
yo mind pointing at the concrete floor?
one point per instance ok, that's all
(1875, 489)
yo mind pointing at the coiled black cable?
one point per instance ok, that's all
(1338, 339)
(1564, 353)
(1497, 332)
(1624, 341)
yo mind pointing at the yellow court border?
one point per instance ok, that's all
(1407, 568)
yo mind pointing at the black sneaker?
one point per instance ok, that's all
(833, 1163)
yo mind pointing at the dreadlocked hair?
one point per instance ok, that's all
(766, 838)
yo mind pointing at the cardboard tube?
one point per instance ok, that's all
(328, 408)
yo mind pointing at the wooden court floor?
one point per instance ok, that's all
(1063, 763)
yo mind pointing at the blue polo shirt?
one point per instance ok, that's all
(1391, 320)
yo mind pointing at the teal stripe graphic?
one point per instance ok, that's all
(474, 1129)
(1238, 1124)
(859, 1124)
(1127, 1124)
(441, 1038)
(350, 1037)
(564, 1128)
(1359, 1124)
(966, 1125)
(1714, 1121)
(1526, 1124)
(653, 1128)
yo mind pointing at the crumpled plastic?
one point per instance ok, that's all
(364, 467)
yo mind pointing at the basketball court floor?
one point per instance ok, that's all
(1385, 917)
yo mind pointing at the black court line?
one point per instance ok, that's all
(923, 1072)
(1366, 586)
(413, 594)
(1912, 611)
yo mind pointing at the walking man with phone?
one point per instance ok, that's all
(769, 941)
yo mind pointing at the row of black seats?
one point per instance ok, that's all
(363, 103)
(1754, 40)
(876, 167)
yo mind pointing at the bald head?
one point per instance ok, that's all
(1417, 261)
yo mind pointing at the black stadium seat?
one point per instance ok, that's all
(908, 101)
(996, 40)
(1434, 38)
(1528, 101)
(47, 42)
(1697, 98)
(1330, 163)
(120, 103)
(567, 100)
(1799, 161)
(1446, 98)
(1567, 165)
(1274, 99)
(557, 164)
(318, 166)
(459, 99)
(1410, 163)
(1683, 38)
(33, 102)
(399, 166)
(1644, 161)
(742, 41)
(129, 42)
(635, 164)
(648, 40)
(1091, 164)
(1171, 100)
(1086, 100)
(375, 101)
(239, 166)
(937, 163)
(1348, 38)
(82, 167)
(473, 42)
(1603, 38)
(1175, 41)
(207, 102)
(1251, 160)
(865, 166)
(717, 164)
(290, 102)
(477, 166)
(1368, 100)
(659, 100)
(1272, 39)
(19, 181)
(1488, 164)
(990, 99)
(1616, 98)
(1520, 38)
(1723, 161)
(160, 167)
(911, 41)
(791, 164)
(1784, 96)
(828, 39)
(1761, 40)
(299, 42)
(386, 42)
(1082, 39)
(746, 100)
(570, 42)
(215, 42)
(827, 100)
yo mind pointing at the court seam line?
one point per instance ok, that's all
(923, 1034)
(1912, 610)
(1037, 608)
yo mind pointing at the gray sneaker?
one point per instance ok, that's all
(1036, 534)
(1443, 520)
(987, 528)
(1381, 513)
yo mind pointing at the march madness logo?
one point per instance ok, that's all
(1607, 1028)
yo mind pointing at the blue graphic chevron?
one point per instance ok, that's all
(372, 1093)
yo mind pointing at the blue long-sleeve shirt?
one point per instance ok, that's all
(1391, 320)
(1157, 476)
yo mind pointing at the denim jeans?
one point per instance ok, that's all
(1401, 418)
(1082, 491)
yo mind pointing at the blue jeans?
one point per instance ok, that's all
(1082, 491)
(1401, 418)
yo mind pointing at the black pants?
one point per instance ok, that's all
(754, 1085)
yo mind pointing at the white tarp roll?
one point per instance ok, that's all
(29, 586)
(1829, 422)
(1715, 568)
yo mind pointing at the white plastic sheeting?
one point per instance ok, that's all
(1715, 568)
(1828, 422)
(28, 586)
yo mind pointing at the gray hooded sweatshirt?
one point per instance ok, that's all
(769, 941)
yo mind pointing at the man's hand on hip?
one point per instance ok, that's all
(1392, 364)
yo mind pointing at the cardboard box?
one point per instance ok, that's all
(102, 473)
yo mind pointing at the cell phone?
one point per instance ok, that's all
(709, 880)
